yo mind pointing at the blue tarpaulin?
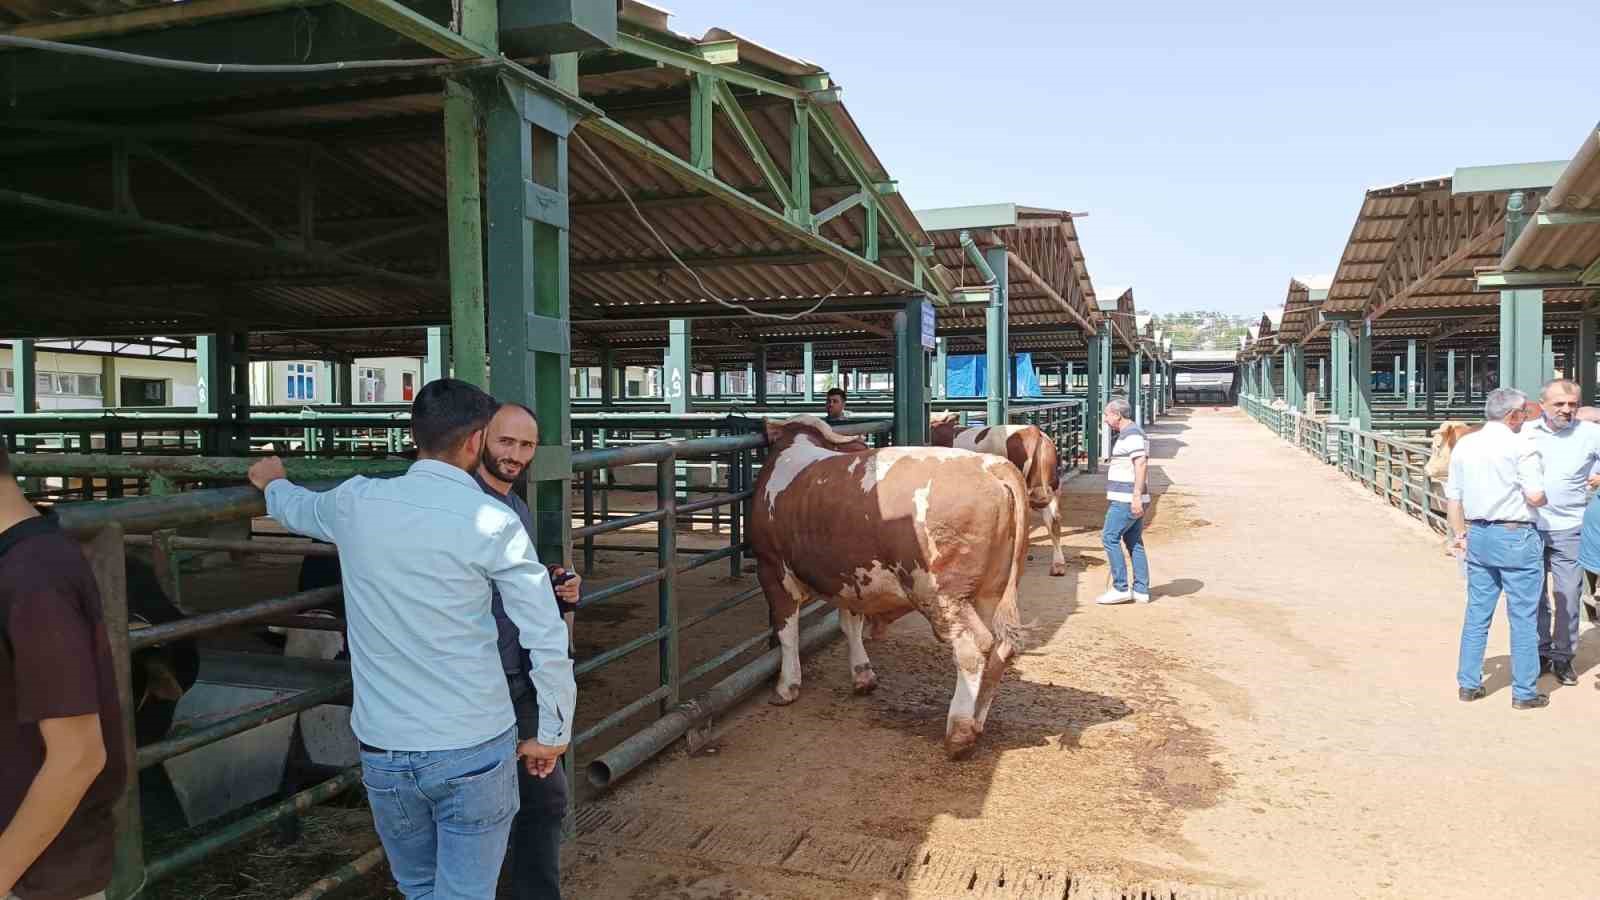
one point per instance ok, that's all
(968, 376)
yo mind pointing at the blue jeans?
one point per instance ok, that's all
(1510, 560)
(1122, 528)
(444, 816)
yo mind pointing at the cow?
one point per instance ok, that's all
(1034, 455)
(161, 674)
(1450, 433)
(882, 533)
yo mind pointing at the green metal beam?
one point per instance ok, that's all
(702, 122)
(464, 212)
(691, 63)
(753, 143)
(436, 37)
(1540, 278)
(644, 149)
(996, 344)
(910, 376)
(1563, 219)
(1522, 340)
(798, 207)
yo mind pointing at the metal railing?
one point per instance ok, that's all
(104, 527)
(1389, 465)
(1061, 422)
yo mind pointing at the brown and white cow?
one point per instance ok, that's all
(882, 533)
(1034, 455)
(1450, 433)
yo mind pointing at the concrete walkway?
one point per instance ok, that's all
(1281, 720)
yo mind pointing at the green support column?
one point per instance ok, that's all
(1269, 392)
(436, 364)
(810, 373)
(1066, 378)
(1322, 381)
(1521, 318)
(25, 360)
(833, 376)
(344, 383)
(209, 361)
(1293, 377)
(1472, 373)
(1428, 378)
(940, 368)
(1340, 355)
(1395, 381)
(464, 217)
(528, 284)
(1411, 374)
(1549, 367)
(759, 375)
(1449, 377)
(1583, 363)
(1094, 402)
(996, 345)
(608, 377)
(750, 380)
(1135, 379)
(675, 372)
(1361, 374)
(910, 376)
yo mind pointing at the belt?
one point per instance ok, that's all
(1504, 523)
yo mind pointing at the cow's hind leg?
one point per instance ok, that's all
(861, 674)
(1052, 518)
(961, 726)
(785, 597)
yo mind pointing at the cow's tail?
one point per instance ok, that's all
(1007, 627)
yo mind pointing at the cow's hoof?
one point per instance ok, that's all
(866, 680)
(961, 738)
(779, 698)
(1058, 569)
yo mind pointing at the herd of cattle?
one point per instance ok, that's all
(877, 533)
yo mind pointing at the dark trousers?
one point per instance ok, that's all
(533, 854)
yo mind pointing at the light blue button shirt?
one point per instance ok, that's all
(1569, 457)
(418, 554)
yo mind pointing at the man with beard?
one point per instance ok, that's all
(535, 845)
(1569, 450)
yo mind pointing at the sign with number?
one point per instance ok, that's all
(929, 321)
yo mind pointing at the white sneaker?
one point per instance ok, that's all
(1140, 598)
(1113, 597)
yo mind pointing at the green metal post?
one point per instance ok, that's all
(750, 380)
(1428, 378)
(1411, 374)
(810, 374)
(759, 375)
(1268, 392)
(940, 368)
(910, 376)
(528, 284)
(1361, 375)
(1107, 373)
(833, 376)
(996, 347)
(1472, 373)
(1521, 318)
(1549, 358)
(1449, 377)
(1341, 356)
(1395, 382)
(344, 382)
(463, 211)
(1135, 377)
(1583, 363)
(1322, 380)
(436, 364)
(208, 360)
(1094, 403)
(675, 370)
(608, 377)
(800, 165)
(26, 360)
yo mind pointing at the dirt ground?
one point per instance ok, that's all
(1281, 721)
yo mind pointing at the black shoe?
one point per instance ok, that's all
(1474, 694)
(1539, 701)
(1546, 665)
(1562, 669)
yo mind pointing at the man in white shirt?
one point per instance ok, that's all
(419, 555)
(1495, 485)
(1568, 451)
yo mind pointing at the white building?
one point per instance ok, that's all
(75, 375)
(310, 382)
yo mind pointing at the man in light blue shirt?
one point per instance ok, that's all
(419, 554)
(1569, 450)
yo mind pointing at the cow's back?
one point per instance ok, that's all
(1022, 446)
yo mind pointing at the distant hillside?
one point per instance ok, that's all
(1204, 329)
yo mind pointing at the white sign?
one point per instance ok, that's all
(929, 321)
(675, 388)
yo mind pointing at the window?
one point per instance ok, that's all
(44, 383)
(301, 381)
(8, 381)
(144, 392)
(371, 385)
(89, 385)
(408, 386)
(67, 384)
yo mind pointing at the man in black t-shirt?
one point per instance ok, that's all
(61, 733)
(534, 851)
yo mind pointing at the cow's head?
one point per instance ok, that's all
(1444, 441)
(782, 435)
(942, 429)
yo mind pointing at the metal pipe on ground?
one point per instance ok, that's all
(617, 762)
(343, 875)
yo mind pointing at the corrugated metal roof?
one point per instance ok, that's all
(1565, 233)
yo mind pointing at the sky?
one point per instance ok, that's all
(1219, 148)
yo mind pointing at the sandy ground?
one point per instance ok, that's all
(1281, 721)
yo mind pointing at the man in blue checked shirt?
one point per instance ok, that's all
(420, 555)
